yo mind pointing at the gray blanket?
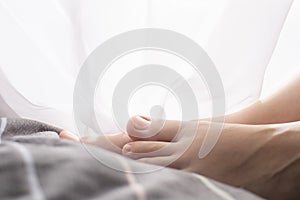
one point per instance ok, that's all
(36, 164)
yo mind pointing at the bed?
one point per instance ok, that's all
(36, 164)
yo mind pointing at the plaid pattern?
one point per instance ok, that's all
(36, 166)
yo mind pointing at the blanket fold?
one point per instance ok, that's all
(35, 166)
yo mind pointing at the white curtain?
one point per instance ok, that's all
(43, 44)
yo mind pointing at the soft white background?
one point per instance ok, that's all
(41, 56)
(285, 62)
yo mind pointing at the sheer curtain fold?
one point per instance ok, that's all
(44, 43)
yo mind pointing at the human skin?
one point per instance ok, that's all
(281, 107)
(258, 148)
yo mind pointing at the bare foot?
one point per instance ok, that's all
(112, 143)
(256, 157)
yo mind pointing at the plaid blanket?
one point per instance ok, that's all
(36, 164)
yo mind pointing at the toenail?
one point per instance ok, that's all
(140, 123)
(127, 148)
